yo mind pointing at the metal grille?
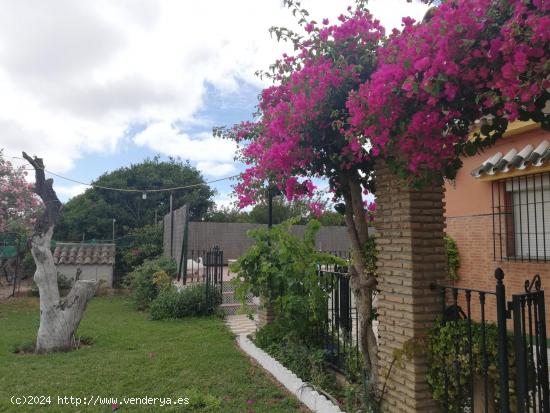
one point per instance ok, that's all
(521, 218)
(340, 333)
(469, 377)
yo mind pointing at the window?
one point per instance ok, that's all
(521, 217)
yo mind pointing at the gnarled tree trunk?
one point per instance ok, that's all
(363, 279)
(59, 317)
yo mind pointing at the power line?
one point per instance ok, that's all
(130, 189)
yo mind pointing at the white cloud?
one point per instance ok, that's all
(225, 200)
(68, 192)
(75, 75)
(213, 156)
(217, 170)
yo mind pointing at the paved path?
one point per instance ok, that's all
(240, 324)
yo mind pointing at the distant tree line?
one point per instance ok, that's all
(282, 210)
(90, 215)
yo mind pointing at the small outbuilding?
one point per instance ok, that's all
(96, 261)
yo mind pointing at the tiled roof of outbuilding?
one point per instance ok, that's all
(514, 159)
(84, 254)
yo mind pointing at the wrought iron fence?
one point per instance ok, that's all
(344, 254)
(205, 267)
(530, 345)
(193, 267)
(521, 356)
(213, 277)
(340, 333)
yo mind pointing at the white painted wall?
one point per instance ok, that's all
(89, 272)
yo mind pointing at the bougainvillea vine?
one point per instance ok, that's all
(18, 204)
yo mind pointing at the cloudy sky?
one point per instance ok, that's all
(96, 85)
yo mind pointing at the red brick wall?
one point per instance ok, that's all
(468, 205)
(474, 237)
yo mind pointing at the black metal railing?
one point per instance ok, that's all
(213, 276)
(340, 332)
(205, 267)
(519, 357)
(193, 267)
(343, 254)
(530, 345)
(458, 396)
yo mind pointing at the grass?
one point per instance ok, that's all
(132, 356)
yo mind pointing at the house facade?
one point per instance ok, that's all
(498, 212)
(95, 261)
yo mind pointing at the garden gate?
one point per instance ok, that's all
(213, 276)
(340, 328)
(518, 380)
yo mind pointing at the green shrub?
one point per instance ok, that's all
(448, 350)
(64, 284)
(28, 266)
(283, 268)
(166, 305)
(453, 262)
(192, 301)
(140, 244)
(141, 280)
(307, 362)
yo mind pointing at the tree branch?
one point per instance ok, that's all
(44, 189)
(359, 211)
(357, 230)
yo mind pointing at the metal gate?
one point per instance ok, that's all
(517, 378)
(339, 334)
(530, 347)
(213, 277)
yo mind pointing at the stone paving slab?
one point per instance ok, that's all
(240, 324)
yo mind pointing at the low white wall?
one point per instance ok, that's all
(316, 402)
(89, 272)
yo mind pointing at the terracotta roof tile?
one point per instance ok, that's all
(514, 159)
(84, 254)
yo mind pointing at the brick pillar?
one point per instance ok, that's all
(266, 313)
(411, 256)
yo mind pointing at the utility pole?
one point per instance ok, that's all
(171, 225)
(114, 220)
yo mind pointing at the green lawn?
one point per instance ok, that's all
(134, 357)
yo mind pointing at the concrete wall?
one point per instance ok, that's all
(89, 272)
(234, 241)
(232, 238)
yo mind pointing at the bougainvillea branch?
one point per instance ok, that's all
(350, 95)
(301, 134)
(303, 116)
(469, 60)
